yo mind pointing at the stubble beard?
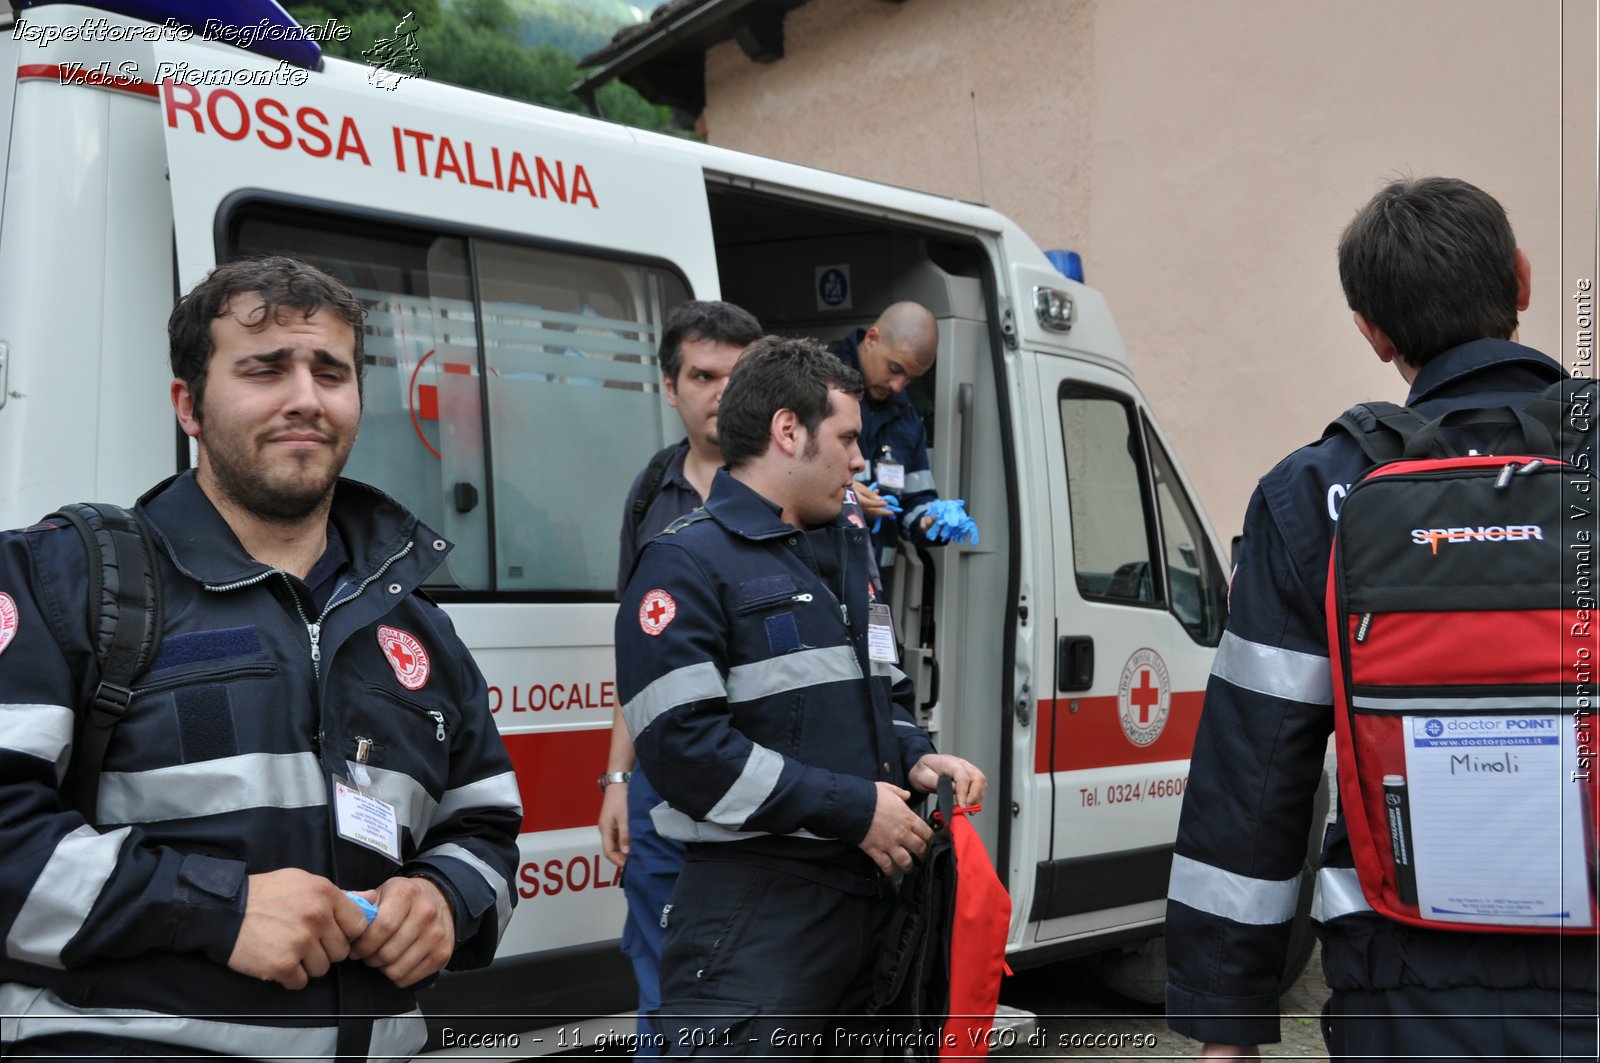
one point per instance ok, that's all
(298, 493)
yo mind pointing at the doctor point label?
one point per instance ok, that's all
(1144, 697)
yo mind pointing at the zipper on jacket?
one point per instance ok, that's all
(438, 718)
(314, 630)
(364, 584)
(803, 548)
(844, 581)
(247, 671)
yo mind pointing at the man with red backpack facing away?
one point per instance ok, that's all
(1433, 274)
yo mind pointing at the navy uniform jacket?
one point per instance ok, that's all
(1260, 747)
(891, 432)
(746, 683)
(675, 496)
(222, 768)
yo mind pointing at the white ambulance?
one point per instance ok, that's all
(517, 264)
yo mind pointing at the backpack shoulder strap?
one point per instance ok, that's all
(650, 486)
(1564, 408)
(1381, 429)
(124, 631)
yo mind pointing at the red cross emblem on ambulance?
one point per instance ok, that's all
(406, 656)
(1144, 697)
(8, 621)
(656, 611)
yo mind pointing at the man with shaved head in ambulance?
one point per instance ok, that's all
(898, 348)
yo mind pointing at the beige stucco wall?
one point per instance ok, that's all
(1203, 155)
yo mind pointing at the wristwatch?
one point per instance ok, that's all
(612, 776)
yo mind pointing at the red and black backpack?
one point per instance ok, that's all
(937, 981)
(1461, 624)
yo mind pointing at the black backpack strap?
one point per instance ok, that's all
(124, 631)
(1381, 429)
(1565, 409)
(1522, 432)
(1386, 432)
(650, 486)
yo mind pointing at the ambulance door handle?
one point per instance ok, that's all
(1075, 662)
(466, 497)
(964, 404)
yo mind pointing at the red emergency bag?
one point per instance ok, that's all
(1461, 623)
(937, 982)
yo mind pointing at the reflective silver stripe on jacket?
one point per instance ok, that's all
(496, 882)
(1273, 670)
(62, 895)
(908, 520)
(1256, 901)
(918, 481)
(1430, 703)
(671, 823)
(694, 682)
(1338, 894)
(888, 671)
(414, 807)
(754, 784)
(792, 671)
(33, 1012)
(212, 787)
(497, 791)
(42, 731)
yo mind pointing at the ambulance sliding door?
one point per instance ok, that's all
(1139, 599)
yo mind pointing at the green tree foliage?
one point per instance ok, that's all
(574, 29)
(479, 44)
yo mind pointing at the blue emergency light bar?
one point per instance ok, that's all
(1067, 263)
(258, 26)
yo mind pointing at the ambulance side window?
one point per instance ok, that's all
(1110, 523)
(574, 413)
(1195, 582)
(511, 392)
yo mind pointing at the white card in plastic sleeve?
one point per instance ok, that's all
(365, 819)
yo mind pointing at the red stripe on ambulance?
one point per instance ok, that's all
(555, 773)
(1092, 737)
(88, 76)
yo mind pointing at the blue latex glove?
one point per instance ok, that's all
(889, 500)
(950, 521)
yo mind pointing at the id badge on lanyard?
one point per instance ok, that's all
(889, 473)
(880, 634)
(360, 816)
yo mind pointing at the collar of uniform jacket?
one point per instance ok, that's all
(1451, 369)
(374, 526)
(743, 512)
